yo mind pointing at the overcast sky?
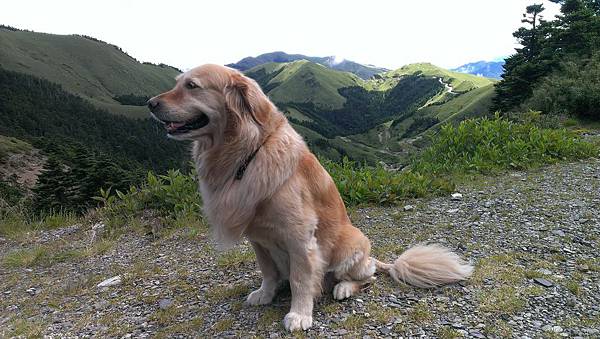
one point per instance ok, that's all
(188, 33)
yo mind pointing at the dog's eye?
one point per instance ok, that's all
(191, 85)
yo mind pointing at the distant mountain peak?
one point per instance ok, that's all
(488, 69)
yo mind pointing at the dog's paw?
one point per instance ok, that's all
(260, 297)
(343, 290)
(294, 321)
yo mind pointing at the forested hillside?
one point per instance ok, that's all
(85, 66)
(86, 145)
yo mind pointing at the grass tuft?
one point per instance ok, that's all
(220, 293)
(235, 258)
(421, 313)
(504, 300)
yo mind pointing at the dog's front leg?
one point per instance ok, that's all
(266, 292)
(306, 273)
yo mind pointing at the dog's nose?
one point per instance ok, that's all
(153, 104)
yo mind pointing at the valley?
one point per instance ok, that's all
(366, 113)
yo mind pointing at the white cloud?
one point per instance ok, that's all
(187, 33)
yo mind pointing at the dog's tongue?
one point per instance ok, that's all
(172, 126)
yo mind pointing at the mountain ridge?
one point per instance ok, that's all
(488, 69)
(85, 66)
(361, 70)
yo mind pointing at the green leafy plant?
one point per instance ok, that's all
(173, 194)
(487, 145)
(359, 184)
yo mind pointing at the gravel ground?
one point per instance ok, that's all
(533, 236)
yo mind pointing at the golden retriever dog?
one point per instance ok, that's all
(259, 180)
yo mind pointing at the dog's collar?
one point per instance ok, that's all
(242, 169)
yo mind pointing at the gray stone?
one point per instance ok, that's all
(163, 304)
(543, 282)
(476, 334)
(116, 280)
(385, 330)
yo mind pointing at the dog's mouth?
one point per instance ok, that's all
(174, 127)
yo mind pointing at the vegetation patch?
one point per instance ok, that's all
(40, 256)
(352, 322)
(220, 293)
(26, 329)
(499, 329)
(9, 145)
(269, 317)
(377, 185)
(236, 257)
(223, 325)
(448, 332)
(506, 300)
(490, 145)
(420, 313)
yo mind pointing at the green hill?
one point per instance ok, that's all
(304, 82)
(460, 82)
(93, 69)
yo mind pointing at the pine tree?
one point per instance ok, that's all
(573, 37)
(50, 190)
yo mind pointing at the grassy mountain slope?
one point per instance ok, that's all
(363, 71)
(303, 81)
(404, 135)
(460, 82)
(85, 66)
(475, 102)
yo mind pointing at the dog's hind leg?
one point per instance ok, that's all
(266, 292)
(354, 273)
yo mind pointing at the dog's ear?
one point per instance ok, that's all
(244, 97)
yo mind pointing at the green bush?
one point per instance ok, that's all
(174, 194)
(573, 89)
(486, 145)
(359, 184)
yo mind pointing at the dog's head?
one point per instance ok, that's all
(212, 102)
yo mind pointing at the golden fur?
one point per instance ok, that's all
(285, 204)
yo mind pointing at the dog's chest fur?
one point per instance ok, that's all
(230, 205)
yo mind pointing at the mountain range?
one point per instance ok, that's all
(363, 71)
(341, 108)
(488, 69)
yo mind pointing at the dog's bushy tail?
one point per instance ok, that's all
(427, 266)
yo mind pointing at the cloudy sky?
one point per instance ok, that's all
(383, 33)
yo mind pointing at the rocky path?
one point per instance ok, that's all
(534, 238)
